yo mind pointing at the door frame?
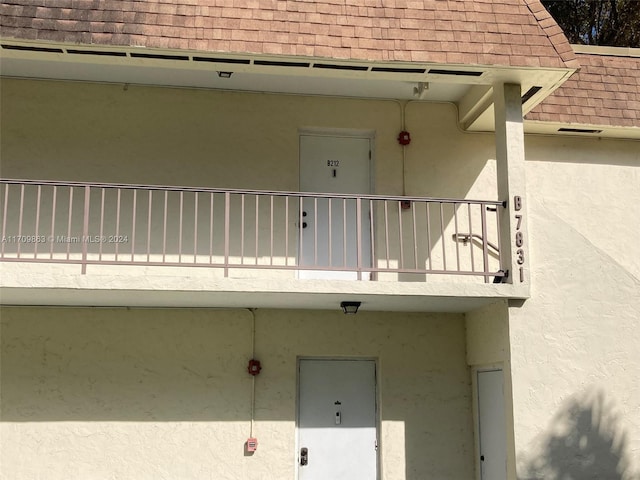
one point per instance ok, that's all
(344, 133)
(491, 367)
(377, 397)
(368, 134)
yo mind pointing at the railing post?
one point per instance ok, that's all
(499, 236)
(359, 235)
(85, 228)
(4, 217)
(400, 237)
(300, 230)
(38, 202)
(227, 211)
(19, 243)
(485, 249)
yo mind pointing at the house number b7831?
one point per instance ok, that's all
(519, 236)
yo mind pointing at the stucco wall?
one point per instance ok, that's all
(487, 332)
(573, 345)
(575, 353)
(108, 133)
(147, 394)
(144, 135)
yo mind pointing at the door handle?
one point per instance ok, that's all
(304, 456)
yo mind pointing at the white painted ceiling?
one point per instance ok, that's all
(202, 77)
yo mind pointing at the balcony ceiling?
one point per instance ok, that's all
(460, 84)
(157, 74)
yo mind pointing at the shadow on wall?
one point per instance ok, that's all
(584, 441)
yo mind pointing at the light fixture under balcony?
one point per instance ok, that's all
(350, 308)
(225, 74)
(420, 90)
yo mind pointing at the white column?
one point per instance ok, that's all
(511, 183)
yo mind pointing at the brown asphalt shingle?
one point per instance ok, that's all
(606, 91)
(487, 32)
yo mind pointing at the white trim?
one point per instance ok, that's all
(610, 51)
(540, 127)
(490, 367)
(344, 133)
(364, 134)
(377, 397)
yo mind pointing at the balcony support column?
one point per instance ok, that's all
(511, 179)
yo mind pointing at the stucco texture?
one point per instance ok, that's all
(575, 355)
(163, 136)
(147, 394)
(169, 136)
(572, 351)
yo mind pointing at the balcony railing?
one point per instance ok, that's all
(314, 235)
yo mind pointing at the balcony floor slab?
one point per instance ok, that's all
(38, 284)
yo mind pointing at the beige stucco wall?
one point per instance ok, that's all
(487, 331)
(488, 347)
(575, 353)
(143, 393)
(574, 358)
(167, 136)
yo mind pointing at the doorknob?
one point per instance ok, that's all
(304, 456)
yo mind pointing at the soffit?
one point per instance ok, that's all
(264, 73)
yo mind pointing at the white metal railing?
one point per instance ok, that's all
(312, 233)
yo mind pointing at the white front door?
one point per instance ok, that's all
(337, 437)
(493, 445)
(330, 234)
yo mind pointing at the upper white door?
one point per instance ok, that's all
(337, 420)
(330, 235)
(493, 444)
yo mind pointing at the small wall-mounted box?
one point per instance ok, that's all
(252, 444)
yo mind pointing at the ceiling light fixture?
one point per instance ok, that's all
(420, 91)
(350, 308)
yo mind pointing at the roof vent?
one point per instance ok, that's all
(32, 49)
(96, 52)
(579, 130)
(330, 66)
(457, 73)
(276, 63)
(243, 61)
(159, 56)
(530, 93)
(398, 70)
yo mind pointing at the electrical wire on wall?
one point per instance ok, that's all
(253, 377)
(403, 105)
(253, 369)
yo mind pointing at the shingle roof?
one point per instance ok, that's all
(606, 91)
(486, 32)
